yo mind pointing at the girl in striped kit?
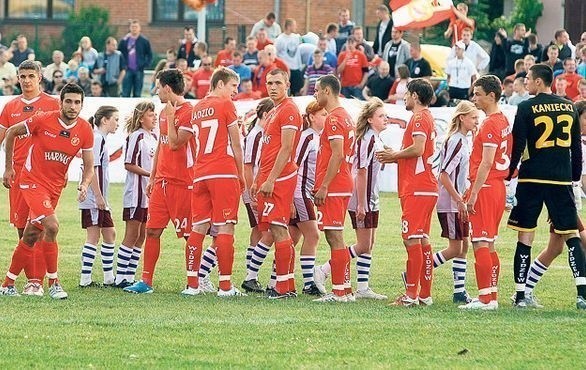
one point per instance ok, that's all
(95, 211)
(304, 221)
(140, 147)
(453, 182)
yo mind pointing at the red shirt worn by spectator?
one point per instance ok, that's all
(253, 95)
(457, 25)
(224, 58)
(355, 63)
(572, 89)
(261, 45)
(200, 83)
(280, 64)
(259, 82)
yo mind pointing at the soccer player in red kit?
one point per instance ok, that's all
(219, 175)
(276, 180)
(489, 166)
(19, 109)
(418, 192)
(56, 137)
(170, 183)
(334, 184)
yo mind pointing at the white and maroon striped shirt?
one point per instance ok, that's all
(455, 161)
(139, 149)
(365, 148)
(306, 159)
(101, 162)
(252, 145)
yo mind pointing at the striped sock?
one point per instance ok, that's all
(133, 264)
(307, 263)
(208, 261)
(88, 256)
(438, 259)
(122, 262)
(256, 260)
(249, 252)
(107, 252)
(363, 263)
(459, 270)
(273, 280)
(536, 271)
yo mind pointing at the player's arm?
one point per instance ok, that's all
(444, 179)
(177, 137)
(576, 150)
(469, 22)
(488, 153)
(519, 140)
(2, 134)
(234, 133)
(95, 186)
(361, 193)
(11, 134)
(131, 167)
(412, 151)
(337, 147)
(149, 187)
(283, 156)
(87, 156)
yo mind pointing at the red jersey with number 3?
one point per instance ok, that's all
(19, 110)
(53, 145)
(338, 126)
(284, 116)
(494, 132)
(211, 118)
(414, 174)
(175, 166)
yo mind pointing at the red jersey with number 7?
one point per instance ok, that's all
(211, 118)
(338, 126)
(494, 132)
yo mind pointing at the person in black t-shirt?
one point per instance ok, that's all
(379, 83)
(515, 48)
(418, 65)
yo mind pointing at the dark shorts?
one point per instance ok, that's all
(580, 226)
(252, 213)
(96, 217)
(304, 211)
(452, 226)
(135, 214)
(370, 220)
(559, 200)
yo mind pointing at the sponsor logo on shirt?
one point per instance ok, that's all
(50, 134)
(58, 157)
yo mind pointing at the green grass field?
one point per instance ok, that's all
(106, 328)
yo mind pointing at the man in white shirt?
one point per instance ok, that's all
(269, 23)
(7, 70)
(287, 44)
(461, 73)
(472, 51)
(58, 64)
(520, 93)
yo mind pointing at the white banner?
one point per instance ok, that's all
(392, 136)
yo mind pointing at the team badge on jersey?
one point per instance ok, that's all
(227, 212)
(47, 203)
(75, 141)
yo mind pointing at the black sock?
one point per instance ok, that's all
(521, 268)
(577, 263)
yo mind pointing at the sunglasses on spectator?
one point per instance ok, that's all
(206, 64)
(58, 76)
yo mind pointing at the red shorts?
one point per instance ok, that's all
(215, 201)
(416, 216)
(332, 214)
(40, 201)
(19, 209)
(276, 210)
(96, 217)
(170, 202)
(489, 207)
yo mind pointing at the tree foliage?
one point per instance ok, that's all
(524, 11)
(91, 21)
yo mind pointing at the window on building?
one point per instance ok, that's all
(176, 10)
(38, 9)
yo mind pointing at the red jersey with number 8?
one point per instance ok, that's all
(338, 126)
(494, 132)
(211, 118)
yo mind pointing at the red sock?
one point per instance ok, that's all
(426, 278)
(339, 263)
(413, 269)
(51, 252)
(292, 269)
(225, 254)
(282, 264)
(496, 270)
(193, 249)
(347, 279)
(35, 269)
(20, 257)
(150, 255)
(483, 267)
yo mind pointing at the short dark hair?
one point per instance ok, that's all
(559, 32)
(172, 78)
(71, 88)
(330, 81)
(490, 84)
(271, 15)
(30, 65)
(542, 71)
(568, 59)
(189, 28)
(278, 71)
(580, 107)
(331, 27)
(423, 89)
(228, 39)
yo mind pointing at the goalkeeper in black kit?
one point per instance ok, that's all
(546, 139)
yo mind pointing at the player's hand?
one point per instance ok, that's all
(293, 211)
(319, 197)
(169, 111)
(100, 202)
(360, 213)
(8, 177)
(266, 188)
(149, 188)
(242, 184)
(81, 192)
(470, 204)
(462, 211)
(386, 155)
(252, 192)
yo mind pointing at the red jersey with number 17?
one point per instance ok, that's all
(284, 116)
(338, 126)
(53, 145)
(175, 166)
(414, 174)
(19, 110)
(211, 118)
(494, 132)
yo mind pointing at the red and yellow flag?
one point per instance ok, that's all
(198, 4)
(411, 14)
